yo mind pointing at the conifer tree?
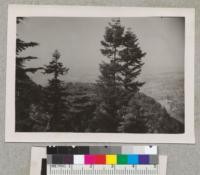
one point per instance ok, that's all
(20, 61)
(26, 89)
(117, 82)
(108, 86)
(56, 103)
(131, 63)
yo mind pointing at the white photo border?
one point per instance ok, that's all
(90, 11)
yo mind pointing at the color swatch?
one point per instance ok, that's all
(151, 149)
(108, 159)
(111, 159)
(85, 155)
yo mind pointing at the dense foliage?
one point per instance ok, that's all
(27, 92)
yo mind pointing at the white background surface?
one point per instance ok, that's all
(66, 11)
(182, 159)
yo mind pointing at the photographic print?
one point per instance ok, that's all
(115, 76)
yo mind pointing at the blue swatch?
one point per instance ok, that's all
(133, 159)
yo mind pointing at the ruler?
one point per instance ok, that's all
(65, 169)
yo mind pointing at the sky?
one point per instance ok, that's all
(78, 41)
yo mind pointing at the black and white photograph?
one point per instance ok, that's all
(100, 74)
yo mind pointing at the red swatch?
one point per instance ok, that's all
(100, 159)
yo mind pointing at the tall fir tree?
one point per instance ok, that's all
(131, 63)
(117, 82)
(108, 86)
(56, 103)
(26, 89)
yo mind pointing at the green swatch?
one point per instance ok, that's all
(122, 159)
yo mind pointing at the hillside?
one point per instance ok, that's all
(168, 90)
(154, 116)
(143, 115)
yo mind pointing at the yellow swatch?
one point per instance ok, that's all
(111, 159)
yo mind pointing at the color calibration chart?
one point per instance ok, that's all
(103, 160)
